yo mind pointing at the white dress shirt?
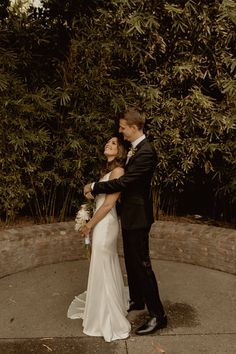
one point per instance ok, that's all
(137, 141)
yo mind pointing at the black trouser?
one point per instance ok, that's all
(142, 282)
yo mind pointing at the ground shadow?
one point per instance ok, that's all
(178, 314)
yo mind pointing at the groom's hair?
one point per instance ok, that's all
(134, 116)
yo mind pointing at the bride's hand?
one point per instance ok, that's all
(89, 195)
(85, 230)
(87, 188)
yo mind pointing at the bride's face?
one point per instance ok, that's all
(111, 148)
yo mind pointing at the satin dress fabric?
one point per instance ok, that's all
(103, 307)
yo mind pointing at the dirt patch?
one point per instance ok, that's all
(192, 219)
(198, 219)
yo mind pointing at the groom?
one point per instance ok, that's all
(136, 219)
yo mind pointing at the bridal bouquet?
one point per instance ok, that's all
(83, 215)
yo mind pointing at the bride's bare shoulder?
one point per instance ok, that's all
(117, 172)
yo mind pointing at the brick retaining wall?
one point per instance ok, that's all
(207, 246)
(31, 246)
(36, 245)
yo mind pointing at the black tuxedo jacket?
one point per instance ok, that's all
(135, 188)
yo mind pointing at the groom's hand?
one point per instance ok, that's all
(87, 191)
(89, 195)
(87, 188)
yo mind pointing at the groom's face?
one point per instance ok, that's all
(128, 131)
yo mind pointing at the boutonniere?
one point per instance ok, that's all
(131, 152)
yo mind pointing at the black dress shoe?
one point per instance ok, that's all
(153, 325)
(136, 307)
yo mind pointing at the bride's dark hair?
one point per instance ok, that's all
(118, 161)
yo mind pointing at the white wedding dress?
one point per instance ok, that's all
(103, 307)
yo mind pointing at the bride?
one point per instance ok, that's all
(103, 307)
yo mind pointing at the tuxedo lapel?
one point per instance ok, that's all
(137, 148)
(141, 144)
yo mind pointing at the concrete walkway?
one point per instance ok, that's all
(200, 304)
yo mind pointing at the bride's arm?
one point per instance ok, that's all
(107, 205)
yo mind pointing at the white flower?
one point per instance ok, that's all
(82, 216)
(131, 152)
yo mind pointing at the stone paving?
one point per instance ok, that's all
(200, 304)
